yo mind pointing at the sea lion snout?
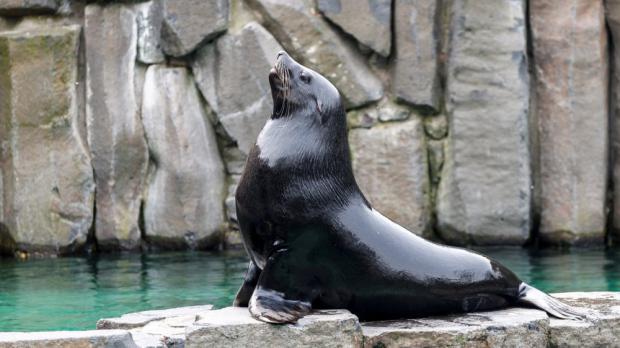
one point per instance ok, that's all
(285, 62)
(276, 74)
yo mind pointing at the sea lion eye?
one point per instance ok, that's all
(305, 77)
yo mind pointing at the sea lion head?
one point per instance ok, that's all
(298, 90)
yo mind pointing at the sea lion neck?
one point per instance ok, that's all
(302, 138)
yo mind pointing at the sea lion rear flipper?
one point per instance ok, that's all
(554, 307)
(247, 288)
(279, 296)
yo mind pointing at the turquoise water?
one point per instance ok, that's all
(72, 293)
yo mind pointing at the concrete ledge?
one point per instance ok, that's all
(603, 330)
(157, 328)
(512, 327)
(198, 326)
(234, 327)
(139, 319)
(68, 339)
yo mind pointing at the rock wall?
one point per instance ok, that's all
(125, 125)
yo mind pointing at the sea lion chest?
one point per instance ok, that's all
(279, 186)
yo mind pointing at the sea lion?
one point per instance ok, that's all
(315, 241)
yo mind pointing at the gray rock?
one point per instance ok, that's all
(231, 208)
(513, 327)
(602, 330)
(415, 74)
(234, 158)
(47, 179)
(149, 17)
(140, 319)
(384, 111)
(67, 339)
(436, 160)
(5, 24)
(233, 240)
(115, 133)
(234, 327)
(436, 127)
(391, 168)
(310, 39)
(188, 23)
(232, 237)
(166, 333)
(571, 80)
(392, 112)
(484, 193)
(363, 118)
(184, 205)
(232, 76)
(28, 7)
(368, 21)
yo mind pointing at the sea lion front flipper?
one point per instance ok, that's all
(270, 306)
(247, 288)
(278, 297)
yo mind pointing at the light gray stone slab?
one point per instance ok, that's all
(47, 179)
(415, 74)
(149, 17)
(485, 190)
(234, 327)
(115, 133)
(139, 319)
(184, 206)
(369, 21)
(186, 24)
(391, 167)
(602, 329)
(571, 92)
(165, 333)
(67, 339)
(514, 327)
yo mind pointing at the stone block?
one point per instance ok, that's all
(234, 327)
(115, 133)
(47, 179)
(184, 206)
(485, 190)
(390, 163)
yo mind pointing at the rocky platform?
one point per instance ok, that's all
(200, 326)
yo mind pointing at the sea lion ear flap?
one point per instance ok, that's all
(321, 110)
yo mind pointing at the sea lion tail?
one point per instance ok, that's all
(537, 298)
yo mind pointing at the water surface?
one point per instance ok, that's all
(72, 293)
